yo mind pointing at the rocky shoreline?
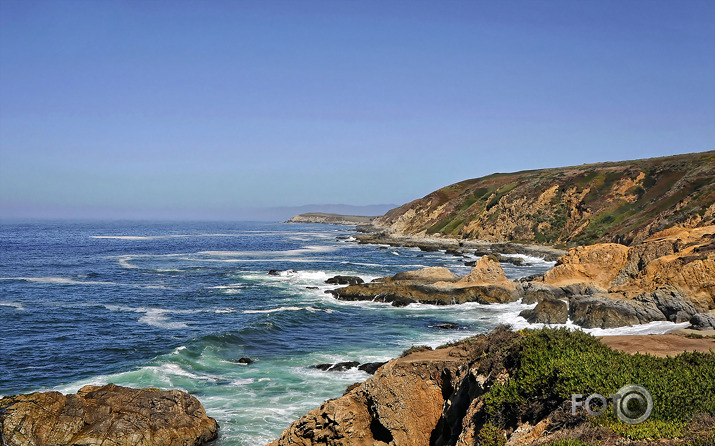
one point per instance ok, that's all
(443, 397)
(668, 277)
(453, 395)
(376, 235)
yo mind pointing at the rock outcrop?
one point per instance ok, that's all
(436, 285)
(623, 202)
(401, 404)
(548, 311)
(107, 415)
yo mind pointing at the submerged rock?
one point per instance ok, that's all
(447, 326)
(110, 414)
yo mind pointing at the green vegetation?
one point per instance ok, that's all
(499, 194)
(490, 435)
(552, 364)
(415, 349)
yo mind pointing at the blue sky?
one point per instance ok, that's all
(186, 109)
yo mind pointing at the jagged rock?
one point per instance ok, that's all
(534, 292)
(486, 271)
(344, 280)
(548, 311)
(672, 304)
(337, 367)
(278, 272)
(641, 255)
(602, 311)
(106, 415)
(703, 321)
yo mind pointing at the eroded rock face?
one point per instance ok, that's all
(401, 404)
(107, 415)
(595, 264)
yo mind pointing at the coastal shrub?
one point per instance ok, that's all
(549, 365)
(491, 435)
(415, 349)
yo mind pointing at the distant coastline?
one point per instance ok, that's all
(332, 219)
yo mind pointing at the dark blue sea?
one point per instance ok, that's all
(176, 305)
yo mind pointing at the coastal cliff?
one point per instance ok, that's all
(623, 202)
(514, 388)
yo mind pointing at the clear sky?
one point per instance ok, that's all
(211, 108)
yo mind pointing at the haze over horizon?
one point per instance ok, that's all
(239, 110)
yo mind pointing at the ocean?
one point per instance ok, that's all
(177, 305)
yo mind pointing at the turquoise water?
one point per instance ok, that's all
(176, 305)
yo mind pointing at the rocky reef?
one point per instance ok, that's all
(670, 276)
(512, 388)
(107, 415)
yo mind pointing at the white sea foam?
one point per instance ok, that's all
(70, 281)
(16, 305)
(534, 260)
(158, 318)
(161, 237)
(279, 309)
(225, 310)
(176, 370)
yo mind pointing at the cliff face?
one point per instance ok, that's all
(621, 202)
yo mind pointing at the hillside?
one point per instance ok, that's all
(621, 202)
(333, 219)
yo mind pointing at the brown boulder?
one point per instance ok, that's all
(486, 271)
(107, 415)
